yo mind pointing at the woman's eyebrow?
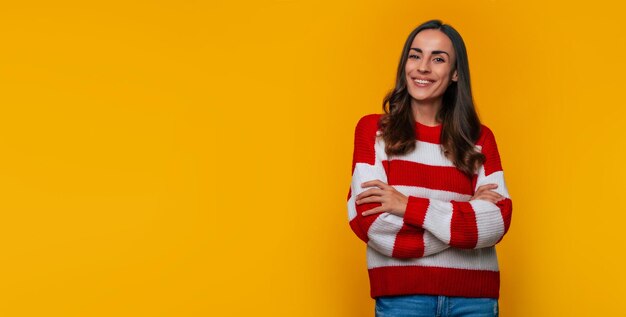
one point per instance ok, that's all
(434, 52)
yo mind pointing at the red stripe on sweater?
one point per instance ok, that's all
(428, 133)
(492, 161)
(448, 178)
(365, 138)
(364, 152)
(404, 280)
(415, 212)
(463, 227)
(506, 210)
(360, 225)
(409, 242)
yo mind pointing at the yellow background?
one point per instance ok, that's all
(192, 158)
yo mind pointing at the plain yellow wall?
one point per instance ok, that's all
(191, 158)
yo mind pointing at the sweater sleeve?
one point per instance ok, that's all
(384, 232)
(468, 224)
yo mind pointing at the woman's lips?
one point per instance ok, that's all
(422, 83)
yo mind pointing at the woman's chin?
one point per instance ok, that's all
(423, 98)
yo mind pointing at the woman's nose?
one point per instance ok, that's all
(423, 66)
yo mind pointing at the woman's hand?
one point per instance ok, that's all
(485, 192)
(392, 200)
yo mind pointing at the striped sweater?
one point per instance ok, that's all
(445, 243)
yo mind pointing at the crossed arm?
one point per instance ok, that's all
(420, 226)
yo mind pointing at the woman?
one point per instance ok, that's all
(428, 194)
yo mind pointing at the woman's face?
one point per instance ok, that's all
(429, 66)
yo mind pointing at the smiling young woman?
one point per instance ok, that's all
(428, 195)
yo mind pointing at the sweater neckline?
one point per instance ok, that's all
(427, 133)
(427, 126)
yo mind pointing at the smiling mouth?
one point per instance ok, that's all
(422, 82)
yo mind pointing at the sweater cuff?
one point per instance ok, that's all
(416, 211)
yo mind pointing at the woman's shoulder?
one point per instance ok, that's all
(370, 119)
(368, 123)
(486, 135)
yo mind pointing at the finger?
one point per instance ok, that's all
(369, 192)
(486, 195)
(372, 199)
(491, 193)
(491, 200)
(491, 197)
(487, 186)
(369, 183)
(481, 195)
(375, 182)
(372, 211)
(487, 190)
(495, 193)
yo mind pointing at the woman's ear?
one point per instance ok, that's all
(455, 76)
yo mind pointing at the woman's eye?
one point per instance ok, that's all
(413, 56)
(440, 59)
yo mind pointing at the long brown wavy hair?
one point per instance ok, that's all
(460, 123)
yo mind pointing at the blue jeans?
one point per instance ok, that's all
(435, 306)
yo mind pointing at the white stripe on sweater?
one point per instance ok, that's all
(424, 153)
(383, 232)
(363, 172)
(470, 259)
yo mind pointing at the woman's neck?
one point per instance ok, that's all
(425, 112)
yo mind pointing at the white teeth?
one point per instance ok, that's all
(419, 81)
